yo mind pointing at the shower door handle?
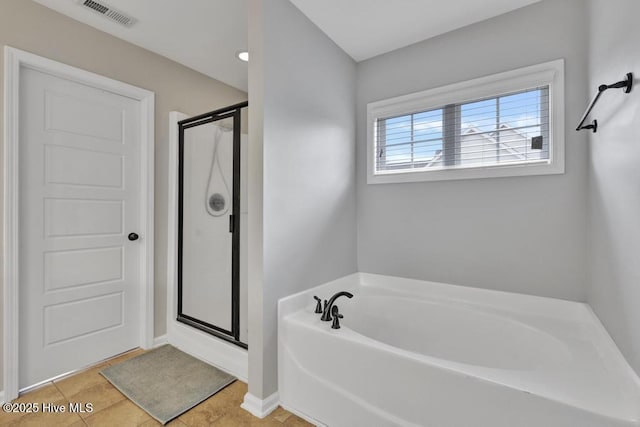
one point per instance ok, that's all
(231, 223)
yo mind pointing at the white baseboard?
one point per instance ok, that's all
(260, 407)
(161, 340)
(302, 415)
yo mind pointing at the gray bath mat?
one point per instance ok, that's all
(166, 382)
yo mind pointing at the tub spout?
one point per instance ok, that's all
(326, 314)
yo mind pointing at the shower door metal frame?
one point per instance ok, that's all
(233, 335)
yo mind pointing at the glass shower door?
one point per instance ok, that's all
(208, 236)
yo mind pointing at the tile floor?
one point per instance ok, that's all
(112, 408)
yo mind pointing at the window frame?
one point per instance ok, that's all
(548, 73)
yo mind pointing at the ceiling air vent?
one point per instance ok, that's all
(109, 12)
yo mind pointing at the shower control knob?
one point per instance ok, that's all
(133, 236)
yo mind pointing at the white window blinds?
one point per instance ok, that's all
(508, 129)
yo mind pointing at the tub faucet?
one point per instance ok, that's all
(336, 317)
(326, 314)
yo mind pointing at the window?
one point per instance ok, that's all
(508, 124)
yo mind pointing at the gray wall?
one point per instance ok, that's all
(29, 26)
(524, 234)
(309, 220)
(614, 175)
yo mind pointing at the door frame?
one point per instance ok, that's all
(14, 60)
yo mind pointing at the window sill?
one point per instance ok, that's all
(467, 173)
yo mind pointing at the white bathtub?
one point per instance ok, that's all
(415, 353)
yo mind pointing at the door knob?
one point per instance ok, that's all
(133, 236)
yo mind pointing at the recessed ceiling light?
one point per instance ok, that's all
(243, 56)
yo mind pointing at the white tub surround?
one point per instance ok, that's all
(428, 354)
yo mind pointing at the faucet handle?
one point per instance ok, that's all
(334, 311)
(318, 304)
(336, 317)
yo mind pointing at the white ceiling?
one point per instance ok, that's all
(205, 35)
(367, 28)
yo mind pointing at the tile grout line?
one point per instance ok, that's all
(105, 362)
(59, 391)
(68, 400)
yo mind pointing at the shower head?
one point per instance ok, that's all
(225, 127)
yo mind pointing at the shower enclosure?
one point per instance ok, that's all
(210, 214)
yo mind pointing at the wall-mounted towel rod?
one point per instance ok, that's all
(626, 84)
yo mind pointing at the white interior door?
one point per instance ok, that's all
(79, 192)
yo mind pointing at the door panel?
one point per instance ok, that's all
(79, 195)
(90, 168)
(65, 269)
(209, 218)
(78, 217)
(206, 240)
(60, 320)
(99, 120)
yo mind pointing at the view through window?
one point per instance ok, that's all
(508, 129)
